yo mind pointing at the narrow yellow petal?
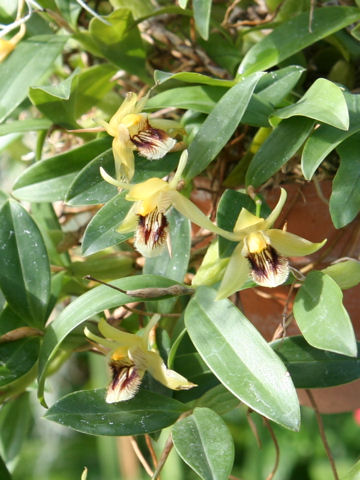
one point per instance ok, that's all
(179, 171)
(6, 47)
(191, 211)
(109, 179)
(124, 160)
(247, 222)
(121, 338)
(127, 106)
(236, 274)
(143, 190)
(165, 124)
(270, 220)
(291, 245)
(167, 377)
(130, 222)
(100, 340)
(212, 267)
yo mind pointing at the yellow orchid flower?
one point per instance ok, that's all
(7, 46)
(262, 251)
(152, 199)
(134, 130)
(130, 356)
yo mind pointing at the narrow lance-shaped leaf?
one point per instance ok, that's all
(241, 359)
(294, 35)
(322, 317)
(204, 442)
(25, 270)
(87, 412)
(202, 11)
(219, 126)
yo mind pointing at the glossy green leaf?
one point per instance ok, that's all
(276, 85)
(17, 358)
(204, 442)
(120, 42)
(23, 126)
(278, 148)
(9, 320)
(311, 367)
(15, 417)
(191, 77)
(219, 126)
(241, 359)
(4, 472)
(87, 306)
(70, 10)
(346, 273)
(353, 473)
(139, 8)
(31, 62)
(53, 101)
(25, 269)
(323, 101)
(101, 231)
(202, 11)
(49, 180)
(326, 138)
(294, 35)
(86, 411)
(218, 399)
(322, 317)
(89, 188)
(345, 195)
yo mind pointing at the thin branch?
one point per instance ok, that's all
(277, 449)
(140, 456)
(322, 434)
(164, 455)
(151, 450)
(253, 426)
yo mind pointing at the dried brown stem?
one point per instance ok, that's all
(140, 456)
(164, 455)
(277, 449)
(322, 434)
(253, 426)
(151, 450)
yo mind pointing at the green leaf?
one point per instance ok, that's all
(191, 77)
(48, 180)
(70, 10)
(90, 188)
(345, 195)
(274, 86)
(202, 12)
(120, 42)
(139, 8)
(31, 62)
(353, 473)
(17, 358)
(219, 126)
(4, 472)
(87, 306)
(25, 269)
(326, 138)
(278, 148)
(52, 101)
(15, 417)
(87, 412)
(241, 359)
(294, 35)
(101, 231)
(204, 442)
(322, 317)
(324, 102)
(311, 367)
(23, 126)
(218, 399)
(346, 273)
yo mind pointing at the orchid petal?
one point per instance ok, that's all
(152, 322)
(144, 190)
(270, 220)
(212, 267)
(125, 339)
(127, 106)
(109, 179)
(180, 168)
(100, 340)
(236, 274)
(291, 245)
(165, 124)
(130, 222)
(124, 160)
(191, 211)
(167, 377)
(247, 222)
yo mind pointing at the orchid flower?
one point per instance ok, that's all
(130, 356)
(147, 217)
(7, 46)
(262, 251)
(134, 130)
